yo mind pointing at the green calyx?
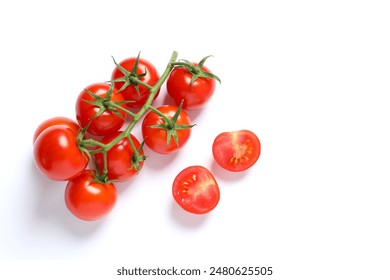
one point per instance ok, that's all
(92, 147)
(137, 158)
(196, 70)
(131, 77)
(170, 125)
(100, 178)
(106, 103)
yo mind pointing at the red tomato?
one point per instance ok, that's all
(107, 122)
(57, 155)
(237, 150)
(120, 158)
(196, 190)
(54, 121)
(195, 96)
(156, 138)
(88, 199)
(130, 91)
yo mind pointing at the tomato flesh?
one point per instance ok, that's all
(196, 190)
(89, 200)
(237, 150)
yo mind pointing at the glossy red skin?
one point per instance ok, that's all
(120, 167)
(130, 92)
(108, 122)
(237, 150)
(89, 200)
(195, 96)
(56, 121)
(156, 138)
(196, 190)
(57, 154)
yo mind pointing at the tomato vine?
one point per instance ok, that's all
(63, 149)
(92, 146)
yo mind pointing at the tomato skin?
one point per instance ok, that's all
(119, 158)
(130, 92)
(57, 154)
(89, 200)
(236, 151)
(56, 121)
(196, 190)
(196, 95)
(156, 138)
(108, 122)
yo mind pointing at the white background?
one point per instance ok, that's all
(310, 78)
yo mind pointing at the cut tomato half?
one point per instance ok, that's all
(196, 190)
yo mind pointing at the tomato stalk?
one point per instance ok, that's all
(106, 103)
(196, 69)
(170, 125)
(131, 78)
(137, 158)
(118, 107)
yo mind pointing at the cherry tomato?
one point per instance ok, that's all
(237, 150)
(156, 138)
(57, 155)
(120, 158)
(196, 190)
(195, 96)
(110, 121)
(54, 121)
(150, 77)
(89, 199)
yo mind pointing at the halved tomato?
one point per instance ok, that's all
(236, 150)
(196, 190)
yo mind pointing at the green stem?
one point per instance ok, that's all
(135, 80)
(105, 167)
(90, 143)
(153, 91)
(104, 148)
(132, 145)
(184, 64)
(122, 109)
(166, 119)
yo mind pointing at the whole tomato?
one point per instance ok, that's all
(93, 108)
(122, 162)
(89, 199)
(166, 137)
(181, 85)
(57, 155)
(55, 121)
(135, 67)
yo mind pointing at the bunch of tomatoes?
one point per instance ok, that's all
(97, 149)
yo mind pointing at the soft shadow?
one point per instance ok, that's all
(168, 100)
(50, 208)
(126, 186)
(158, 161)
(224, 174)
(192, 114)
(185, 218)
